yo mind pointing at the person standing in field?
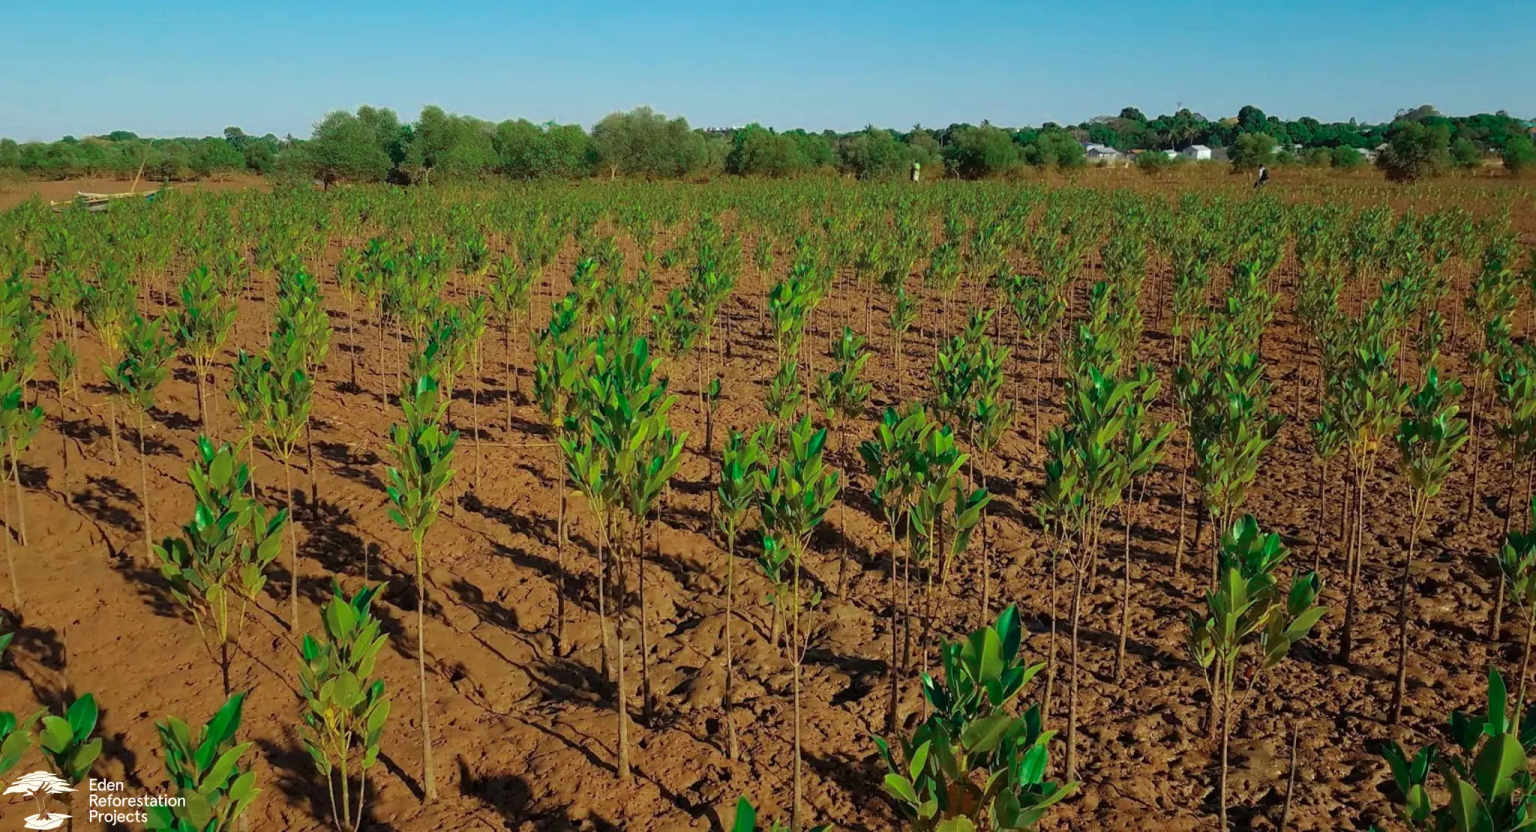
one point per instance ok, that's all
(1263, 177)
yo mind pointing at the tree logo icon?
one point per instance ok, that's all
(40, 786)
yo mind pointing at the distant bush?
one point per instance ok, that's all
(215, 155)
(1346, 158)
(1252, 150)
(876, 153)
(1415, 151)
(1055, 148)
(758, 151)
(1465, 155)
(259, 158)
(979, 152)
(1519, 154)
(1153, 162)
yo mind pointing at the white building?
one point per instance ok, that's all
(1102, 153)
(1196, 152)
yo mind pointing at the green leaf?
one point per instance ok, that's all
(1466, 807)
(901, 788)
(986, 733)
(82, 717)
(991, 655)
(221, 770)
(1496, 765)
(55, 734)
(919, 760)
(1498, 704)
(746, 817)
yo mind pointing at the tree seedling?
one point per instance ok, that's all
(133, 382)
(1250, 624)
(1427, 440)
(797, 492)
(423, 454)
(345, 707)
(19, 423)
(217, 568)
(740, 479)
(206, 773)
(974, 764)
(1485, 773)
(200, 327)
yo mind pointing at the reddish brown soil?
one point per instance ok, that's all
(14, 194)
(525, 738)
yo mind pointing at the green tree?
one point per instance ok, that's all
(1251, 150)
(1519, 154)
(645, 143)
(1346, 158)
(525, 150)
(875, 153)
(1055, 148)
(1416, 151)
(343, 148)
(451, 146)
(211, 156)
(980, 152)
(1465, 155)
(259, 158)
(759, 151)
(388, 133)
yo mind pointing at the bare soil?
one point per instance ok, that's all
(13, 194)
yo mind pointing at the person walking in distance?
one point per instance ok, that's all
(1263, 178)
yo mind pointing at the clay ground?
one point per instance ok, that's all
(15, 193)
(524, 738)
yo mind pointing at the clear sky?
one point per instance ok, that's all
(174, 67)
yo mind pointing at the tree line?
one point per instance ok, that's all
(374, 145)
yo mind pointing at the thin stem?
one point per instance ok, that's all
(429, 774)
(149, 549)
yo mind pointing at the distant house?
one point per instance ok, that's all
(1196, 152)
(1368, 155)
(1102, 154)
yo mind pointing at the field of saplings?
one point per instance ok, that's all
(772, 506)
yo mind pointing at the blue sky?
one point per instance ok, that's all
(192, 68)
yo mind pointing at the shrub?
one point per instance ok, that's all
(1465, 155)
(1251, 150)
(1055, 148)
(1346, 158)
(1416, 152)
(1519, 154)
(1153, 162)
(982, 151)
